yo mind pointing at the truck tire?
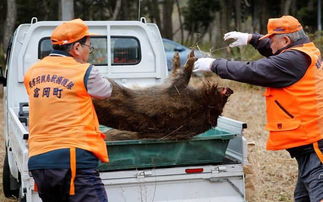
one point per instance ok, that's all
(8, 180)
(23, 199)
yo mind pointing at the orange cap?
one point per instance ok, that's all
(283, 25)
(70, 31)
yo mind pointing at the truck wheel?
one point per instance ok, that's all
(8, 180)
(23, 199)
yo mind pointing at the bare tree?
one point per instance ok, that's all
(237, 8)
(9, 22)
(260, 16)
(46, 8)
(293, 8)
(286, 7)
(116, 9)
(154, 13)
(67, 9)
(225, 16)
(264, 16)
(180, 21)
(167, 30)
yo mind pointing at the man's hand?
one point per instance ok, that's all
(241, 39)
(203, 65)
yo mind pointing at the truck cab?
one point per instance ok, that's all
(131, 53)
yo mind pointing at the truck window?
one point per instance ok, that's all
(44, 47)
(125, 50)
(98, 57)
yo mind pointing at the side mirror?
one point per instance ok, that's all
(179, 49)
(3, 79)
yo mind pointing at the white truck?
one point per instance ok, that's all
(132, 53)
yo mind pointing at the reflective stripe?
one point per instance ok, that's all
(318, 151)
(73, 170)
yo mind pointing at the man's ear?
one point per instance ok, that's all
(287, 40)
(75, 49)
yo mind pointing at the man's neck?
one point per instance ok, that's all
(296, 43)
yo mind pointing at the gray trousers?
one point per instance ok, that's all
(309, 187)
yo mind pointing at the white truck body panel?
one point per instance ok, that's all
(223, 182)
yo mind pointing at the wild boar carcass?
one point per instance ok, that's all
(173, 110)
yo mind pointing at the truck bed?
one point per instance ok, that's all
(218, 181)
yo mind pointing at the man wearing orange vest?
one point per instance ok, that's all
(65, 143)
(293, 77)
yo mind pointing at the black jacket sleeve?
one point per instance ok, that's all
(263, 46)
(276, 71)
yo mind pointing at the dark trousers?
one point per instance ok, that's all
(54, 185)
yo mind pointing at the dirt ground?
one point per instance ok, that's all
(272, 174)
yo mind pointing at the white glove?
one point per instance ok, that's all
(241, 39)
(203, 65)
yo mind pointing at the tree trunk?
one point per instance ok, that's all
(67, 9)
(218, 39)
(125, 13)
(180, 21)
(260, 16)
(225, 17)
(255, 16)
(189, 37)
(167, 30)
(293, 8)
(10, 22)
(153, 9)
(264, 17)
(46, 9)
(286, 7)
(237, 8)
(116, 9)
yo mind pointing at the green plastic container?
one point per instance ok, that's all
(206, 148)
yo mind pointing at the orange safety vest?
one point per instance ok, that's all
(61, 112)
(295, 113)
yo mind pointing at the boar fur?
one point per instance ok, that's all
(173, 110)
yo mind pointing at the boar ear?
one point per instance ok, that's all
(226, 91)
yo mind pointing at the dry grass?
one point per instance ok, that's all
(274, 172)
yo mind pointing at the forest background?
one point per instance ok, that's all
(194, 23)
